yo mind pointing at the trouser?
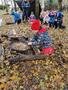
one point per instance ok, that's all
(59, 24)
(55, 24)
(25, 14)
(51, 24)
(19, 21)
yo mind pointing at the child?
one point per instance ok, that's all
(17, 17)
(31, 18)
(59, 19)
(41, 38)
(42, 15)
(52, 15)
(45, 16)
(26, 7)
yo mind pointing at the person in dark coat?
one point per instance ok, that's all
(26, 7)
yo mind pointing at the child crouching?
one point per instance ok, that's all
(41, 38)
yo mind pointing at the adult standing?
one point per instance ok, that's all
(26, 7)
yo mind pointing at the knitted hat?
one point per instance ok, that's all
(36, 25)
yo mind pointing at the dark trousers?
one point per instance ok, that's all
(51, 24)
(59, 23)
(25, 14)
(55, 24)
(19, 21)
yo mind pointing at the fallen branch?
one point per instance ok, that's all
(23, 57)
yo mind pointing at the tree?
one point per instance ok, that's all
(37, 8)
(2, 4)
(50, 4)
(6, 5)
(15, 5)
(59, 4)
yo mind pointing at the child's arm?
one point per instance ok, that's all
(34, 40)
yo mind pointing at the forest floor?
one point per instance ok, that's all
(45, 74)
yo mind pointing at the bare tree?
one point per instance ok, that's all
(15, 5)
(60, 4)
(37, 8)
(2, 3)
(6, 5)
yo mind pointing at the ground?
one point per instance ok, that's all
(48, 74)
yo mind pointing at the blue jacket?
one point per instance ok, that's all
(59, 16)
(42, 39)
(25, 5)
(16, 16)
(52, 18)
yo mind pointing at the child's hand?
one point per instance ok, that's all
(29, 43)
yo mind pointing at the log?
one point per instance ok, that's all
(27, 52)
(23, 57)
(18, 38)
(15, 38)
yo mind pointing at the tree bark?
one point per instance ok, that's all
(37, 8)
(15, 5)
(6, 4)
(23, 57)
(60, 4)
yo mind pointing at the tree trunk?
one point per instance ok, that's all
(37, 8)
(2, 4)
(60, 4)
(22, 57)
(6, 4)
(15, 5)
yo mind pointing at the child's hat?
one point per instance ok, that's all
(36, 25)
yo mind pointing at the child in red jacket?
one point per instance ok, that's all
(41, 38)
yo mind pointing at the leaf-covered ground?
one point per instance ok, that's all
(49, 74)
